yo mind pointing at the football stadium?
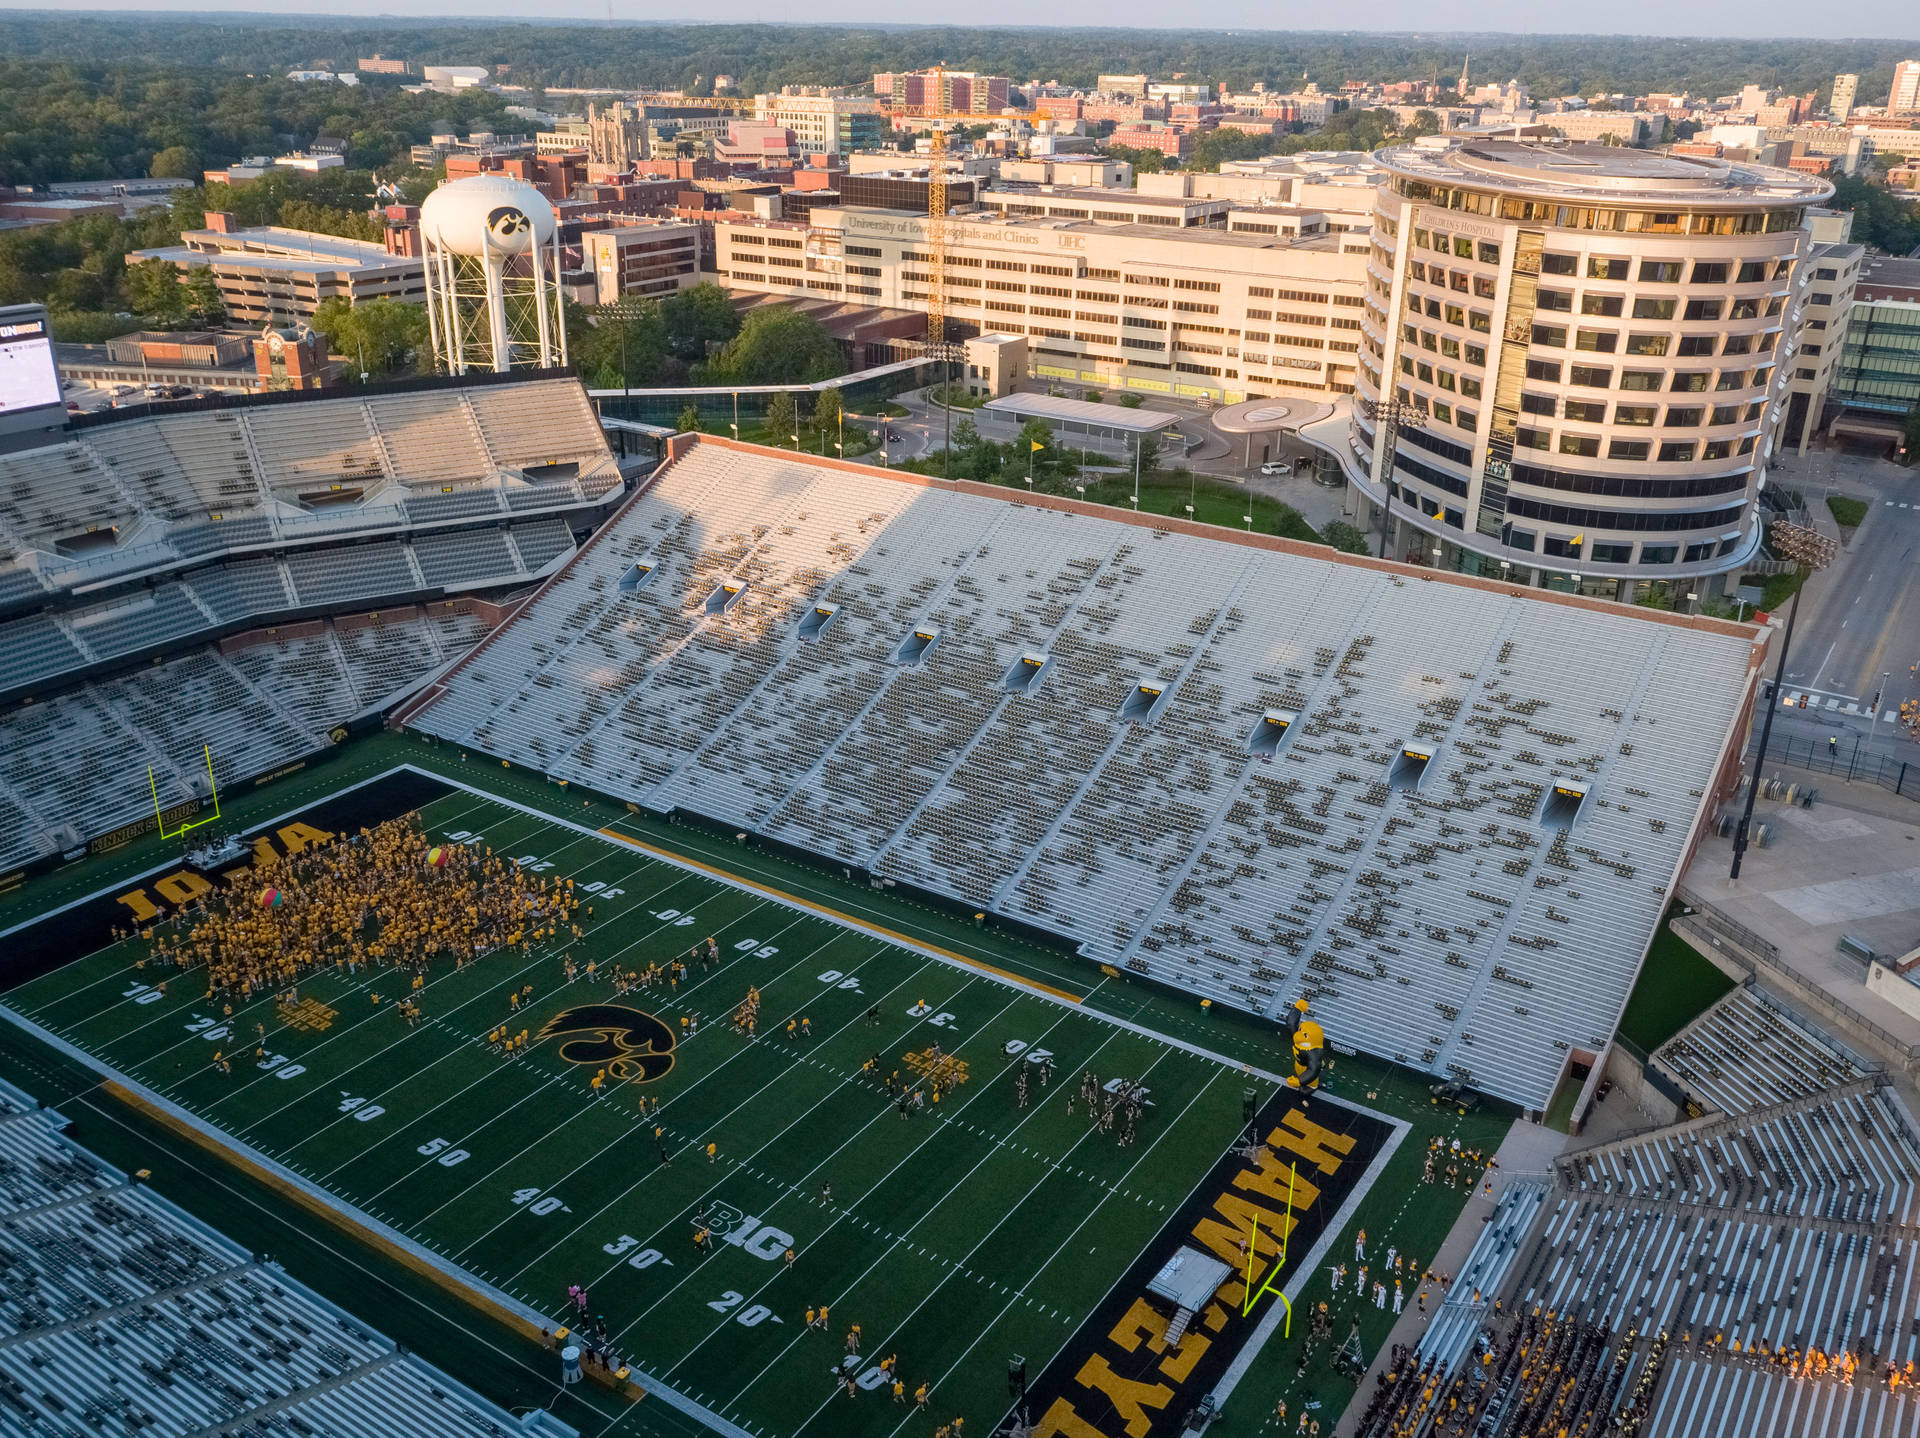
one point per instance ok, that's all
(501, 934)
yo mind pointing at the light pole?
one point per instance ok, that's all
(1388, 416)
(1873, 714)
(736, 410)
(1810, 551)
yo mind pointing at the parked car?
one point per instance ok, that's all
(1276, 466)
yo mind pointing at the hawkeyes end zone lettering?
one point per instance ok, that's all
(1118, 1377)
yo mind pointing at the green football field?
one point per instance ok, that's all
(971, 1231)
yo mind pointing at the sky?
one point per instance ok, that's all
(1749, 19)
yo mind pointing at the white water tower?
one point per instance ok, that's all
(493, 276)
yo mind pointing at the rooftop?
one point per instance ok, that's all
(1606, 173)
(1056, 407)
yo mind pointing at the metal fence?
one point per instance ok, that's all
(1846, 756)
(1757, 957)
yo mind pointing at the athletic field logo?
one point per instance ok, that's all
(632, 1046)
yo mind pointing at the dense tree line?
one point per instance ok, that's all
(761, 56)
(79, 269)
(162, 115)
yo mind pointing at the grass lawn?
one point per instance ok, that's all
(1676, 986)
(1848, 513)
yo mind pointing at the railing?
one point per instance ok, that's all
(1755, 955)
(1842, 757)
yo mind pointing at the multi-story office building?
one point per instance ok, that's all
(823, 123)
(270, 275)
(1846, 89)
(965, 91)
(647, 257)
(1157, 308)
(1588, 346)
(1877, 381)
(1904, 98)
(1823, 289)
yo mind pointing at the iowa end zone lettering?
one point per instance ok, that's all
(1118, 1377)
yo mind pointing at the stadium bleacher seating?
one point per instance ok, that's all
(122, 1313)
(1744, 1273)
(159, 490)
(1748, 1052)
(78, 761)
(1478, 912)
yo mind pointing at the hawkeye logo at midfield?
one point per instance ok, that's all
(633, 1047)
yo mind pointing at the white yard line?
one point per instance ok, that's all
(955, 1187)
(668, 1107)
(1041, 1268)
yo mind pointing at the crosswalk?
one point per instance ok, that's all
(1835, 704)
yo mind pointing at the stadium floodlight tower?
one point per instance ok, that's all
(493, 276)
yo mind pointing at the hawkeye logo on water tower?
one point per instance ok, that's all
(633, 1047)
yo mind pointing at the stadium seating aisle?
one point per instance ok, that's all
(123, 1313)
(1458, 849)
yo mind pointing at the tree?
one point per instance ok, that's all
(154, 290)
(1035, 432)
(783, 418)
(966, 434)
(828, 408)
(1130, 401)
(621, 344)
(1344, 537)
(776, 345)
(176, 162)
(690, 419)
(1144, 162)
(1881, 219)
(696, 318)
(1910, 435)
(205, 305)
(376, 337)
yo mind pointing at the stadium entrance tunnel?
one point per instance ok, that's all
(635, 577)
(1271, 732)
(1024, 676)
(814, 623)
(1563, 806)
(726, 596)
(916, 645)
(1143, 703)
(1409, 766)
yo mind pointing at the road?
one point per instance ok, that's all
(1860, 619)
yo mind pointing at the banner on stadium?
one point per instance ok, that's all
(1117, 1377)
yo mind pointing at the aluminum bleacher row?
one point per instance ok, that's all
(122, 1313)
(1748, 1052)
(1739, 1275)
(37, 649)
(75, 765)
(1189, 754)
(146, 494)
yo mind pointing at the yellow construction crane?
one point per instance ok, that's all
(937, 195)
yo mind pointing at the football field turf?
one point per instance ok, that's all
(973, 1230)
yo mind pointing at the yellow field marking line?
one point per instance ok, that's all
(867, 925)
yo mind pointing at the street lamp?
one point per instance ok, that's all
(736, 407)
(1810, 552)
(1388, 416)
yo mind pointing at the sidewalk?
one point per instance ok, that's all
(1527, 1149)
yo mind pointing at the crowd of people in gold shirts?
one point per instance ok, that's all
(371, 899)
